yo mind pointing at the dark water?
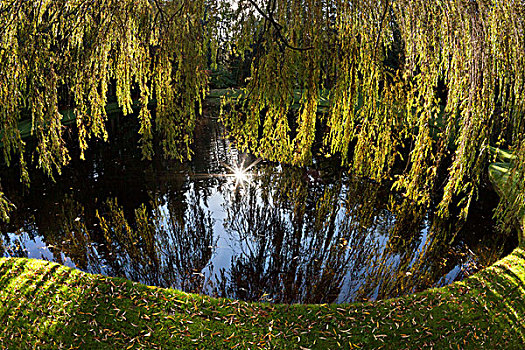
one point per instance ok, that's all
(284, 234)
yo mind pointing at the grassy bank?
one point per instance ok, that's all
(45, 305)
(50, 306)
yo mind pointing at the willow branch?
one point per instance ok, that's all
(278, 28)
(162, 13)
(381, 25)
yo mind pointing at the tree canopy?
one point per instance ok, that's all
(428, 84)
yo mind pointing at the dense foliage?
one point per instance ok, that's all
(425, 83)
(59, 54)
(70, 53)
(429, 77)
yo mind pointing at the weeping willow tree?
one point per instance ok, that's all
(70, 53)
(428, 84)
(423, 83)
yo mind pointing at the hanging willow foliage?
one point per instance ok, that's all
(67, 53)
(427, 79)
(413, 81)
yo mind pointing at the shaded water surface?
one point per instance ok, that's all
(281, 234)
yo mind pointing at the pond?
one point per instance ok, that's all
(273, 233)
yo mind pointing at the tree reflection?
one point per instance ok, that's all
(67, 232)
(162, 246)
(310, 235)
(292, 247)
(301, 239)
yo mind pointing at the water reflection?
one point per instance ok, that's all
(288, 234)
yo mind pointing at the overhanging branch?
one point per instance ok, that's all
(278, 28)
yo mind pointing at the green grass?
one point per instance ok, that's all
(215, 95)
(46, 305)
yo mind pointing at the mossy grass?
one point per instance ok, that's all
(46, 305)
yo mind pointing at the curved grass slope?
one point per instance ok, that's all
(45, 305)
